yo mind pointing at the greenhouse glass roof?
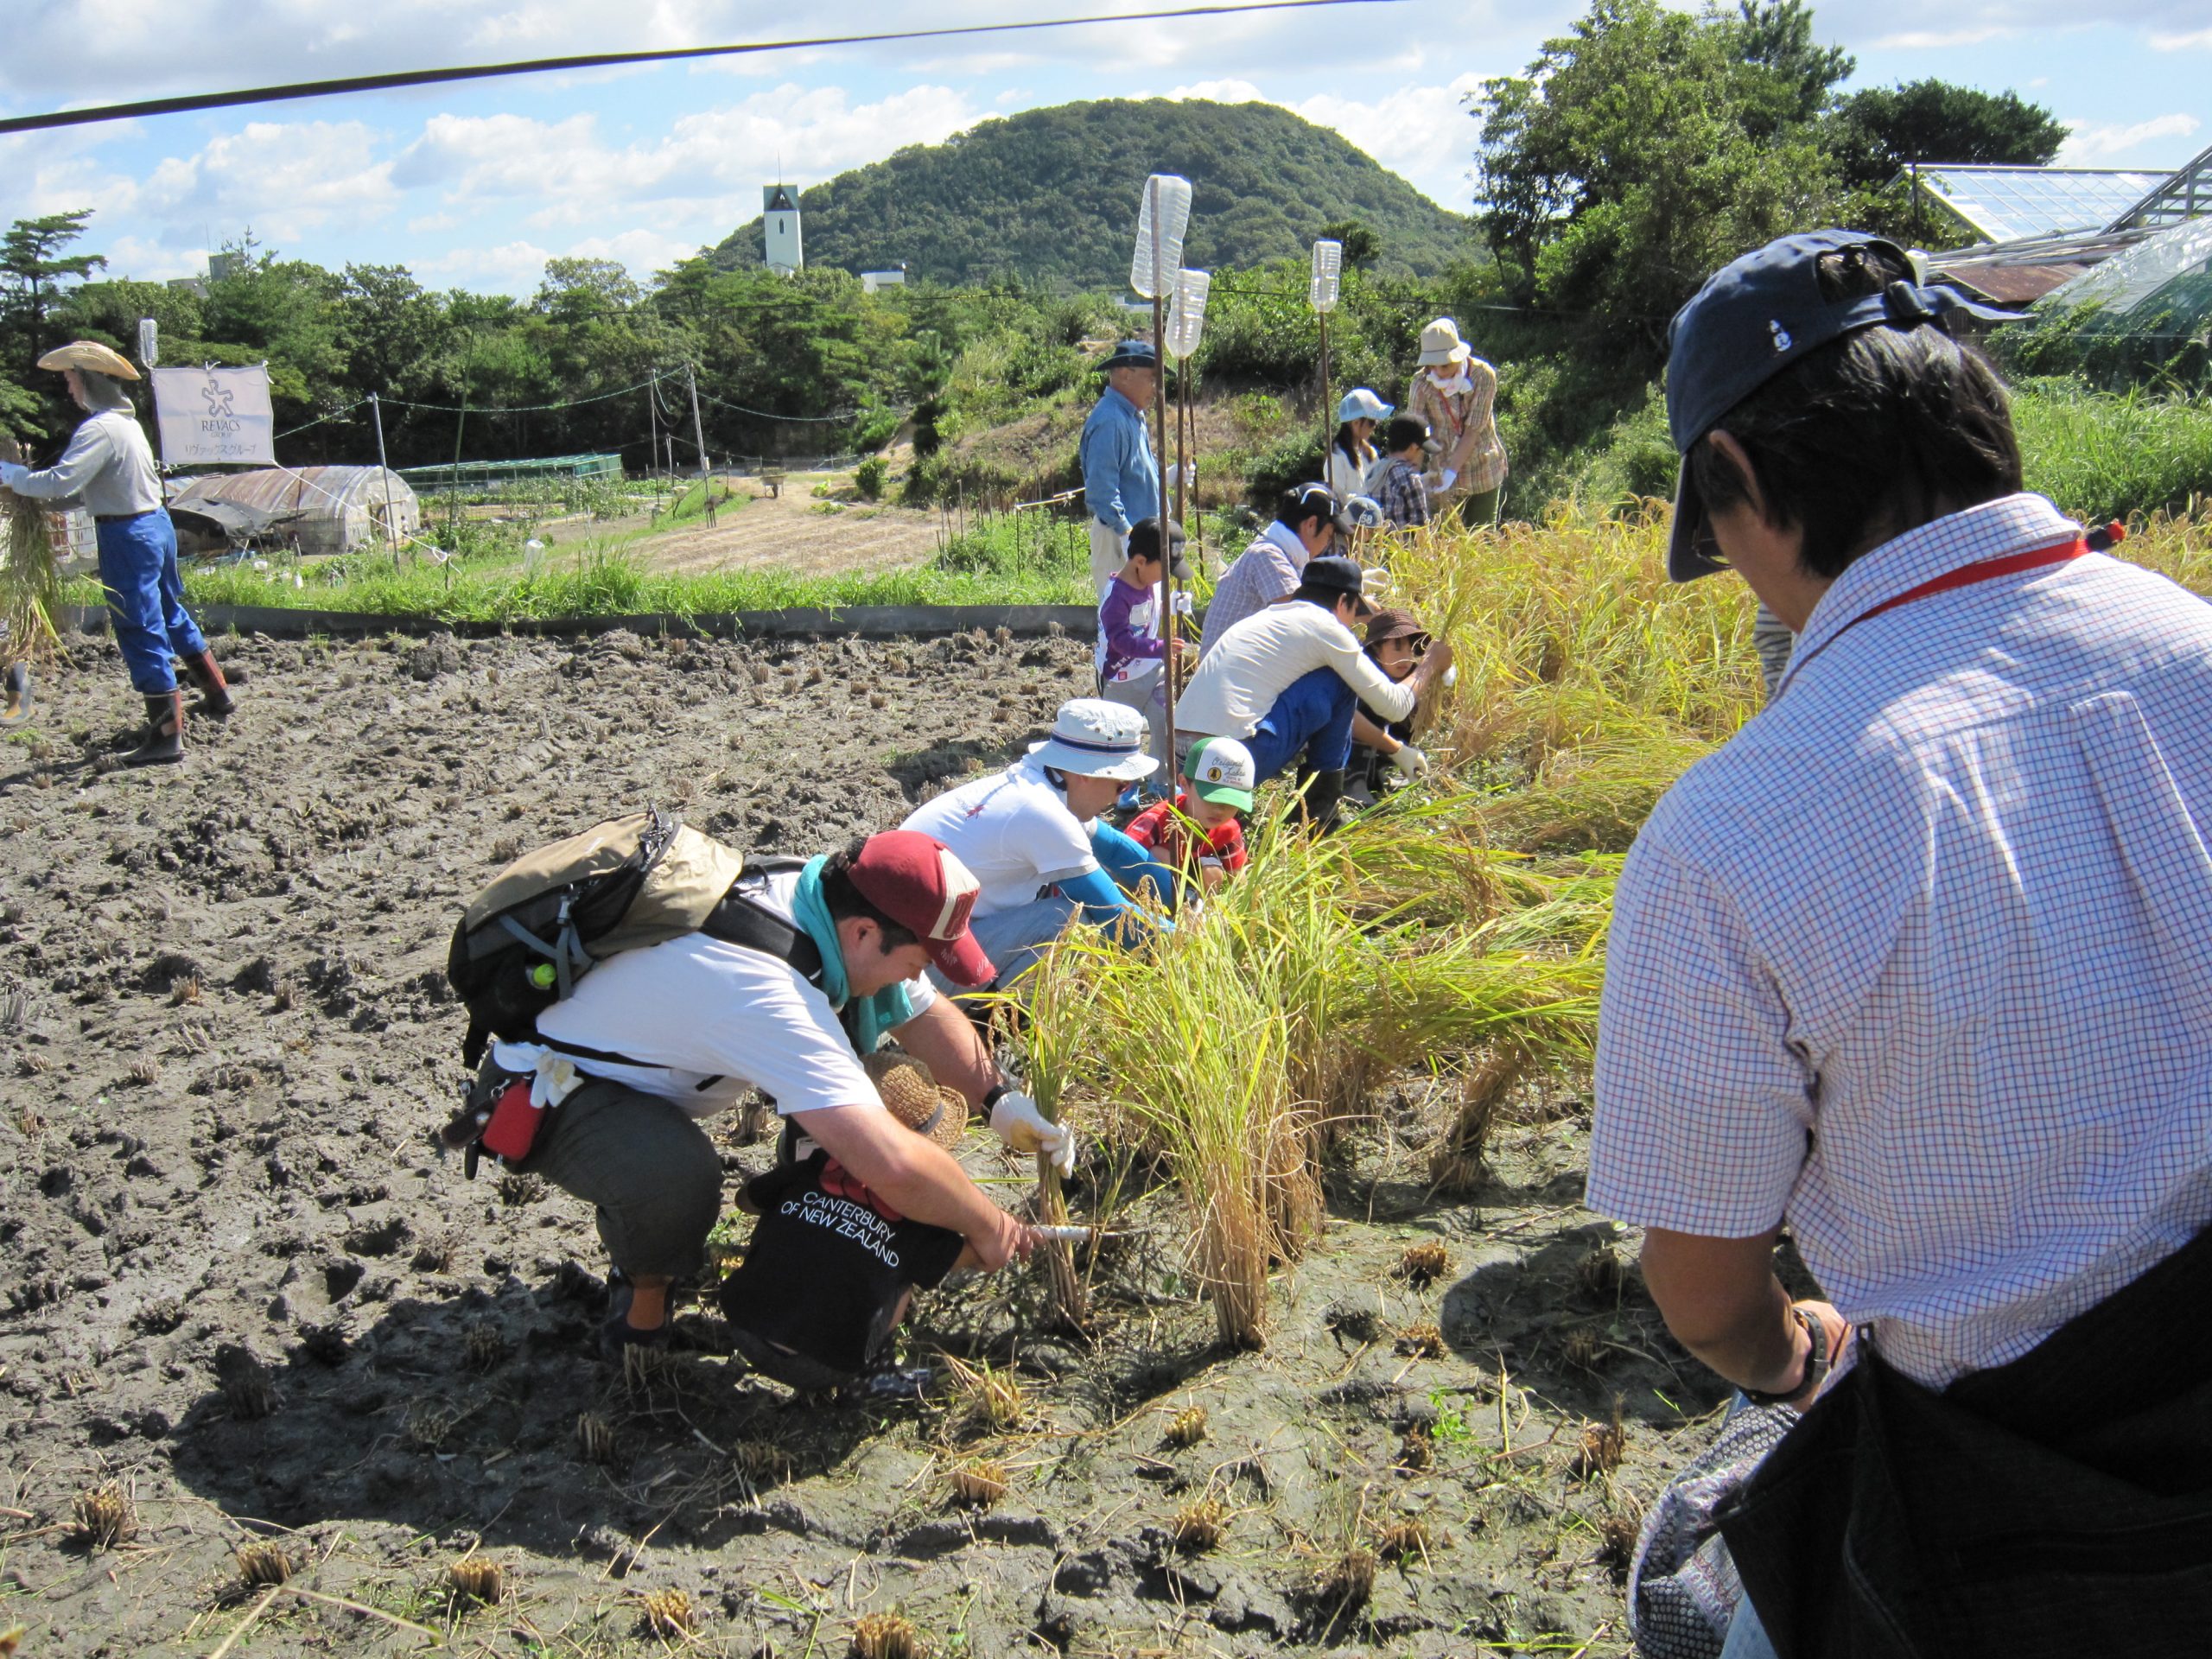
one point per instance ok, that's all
(2169, 273)
(2003, 204)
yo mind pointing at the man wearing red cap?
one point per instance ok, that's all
(653, 1039)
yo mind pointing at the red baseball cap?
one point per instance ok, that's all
(915, 880)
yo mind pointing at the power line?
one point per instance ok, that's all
(610, 59)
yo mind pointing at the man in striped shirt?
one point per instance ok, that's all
(1920, 964)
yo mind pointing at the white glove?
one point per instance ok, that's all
(1451, 476)
(10, 474)
(1016, 1121)
(1410, 760)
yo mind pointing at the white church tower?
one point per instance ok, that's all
(779, 229)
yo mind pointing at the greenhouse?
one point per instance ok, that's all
(477, 477)
(320, 510)
(2145, 313)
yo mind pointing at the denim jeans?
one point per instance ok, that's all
(1746, 1636)
(145, 598)
(1312, 718)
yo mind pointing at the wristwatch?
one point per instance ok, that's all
(1816, 1363)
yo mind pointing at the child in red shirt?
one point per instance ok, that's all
(1202, 827)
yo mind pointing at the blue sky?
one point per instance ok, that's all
(477, 185)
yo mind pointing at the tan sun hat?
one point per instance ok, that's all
(1440, 343)
(90, 354)
(913, 1096)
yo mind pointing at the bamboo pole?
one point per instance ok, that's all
(390, 525)
(1160, 451)
(699, 436)
(1328, 431)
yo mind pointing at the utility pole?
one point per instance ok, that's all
(391, 525)
(652, 425)
(699, 436)
(1167, 628)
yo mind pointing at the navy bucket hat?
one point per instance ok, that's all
(1753, 319)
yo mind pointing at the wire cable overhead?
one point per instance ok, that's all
(613, 60)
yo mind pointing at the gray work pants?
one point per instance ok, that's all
(650, 1172)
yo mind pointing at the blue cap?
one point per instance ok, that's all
(1132, 354)
(1752, 320)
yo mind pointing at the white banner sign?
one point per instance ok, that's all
(214, 414)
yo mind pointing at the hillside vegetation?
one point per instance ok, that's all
(1048, 196)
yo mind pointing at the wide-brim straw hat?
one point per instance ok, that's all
(912, 1094)
(1440, 343)
(90, 354)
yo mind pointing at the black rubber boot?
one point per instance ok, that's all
(164, 742)
(207, 678)
(1323, 794)
(19, 703)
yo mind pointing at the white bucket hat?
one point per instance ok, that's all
(1362, 405)
(1440, 343)
(1094, 738)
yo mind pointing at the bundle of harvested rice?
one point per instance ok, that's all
(30, 577)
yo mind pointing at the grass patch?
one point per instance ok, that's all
(2104, 455)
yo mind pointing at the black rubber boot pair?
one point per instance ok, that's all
(617, 1333)
(163, 745)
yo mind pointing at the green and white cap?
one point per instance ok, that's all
(1221, 769)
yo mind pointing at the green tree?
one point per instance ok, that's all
(1646, 148)
(1362, 246)
(1778, 38)
(33, 268)
(1877, 133)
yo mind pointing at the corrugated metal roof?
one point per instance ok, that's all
(306, 490)
(2013, 285)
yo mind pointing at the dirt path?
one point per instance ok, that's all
(240, 1284)
(796, 531)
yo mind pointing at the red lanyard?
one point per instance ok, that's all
(1967, 575)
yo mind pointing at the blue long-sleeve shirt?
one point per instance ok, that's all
(1121, 480)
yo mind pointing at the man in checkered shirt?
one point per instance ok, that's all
(1920, 964)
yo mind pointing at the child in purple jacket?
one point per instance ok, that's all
(1131, 646)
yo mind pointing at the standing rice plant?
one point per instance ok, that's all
(1053, 1057)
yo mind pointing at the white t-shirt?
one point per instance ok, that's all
(1255, 662)
(108, 465)
(1014, 830)
(712, 1019)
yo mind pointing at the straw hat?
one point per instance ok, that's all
(89, 354)
(1440, 343)
(916, 1098)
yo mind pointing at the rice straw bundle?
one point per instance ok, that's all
(30, 577)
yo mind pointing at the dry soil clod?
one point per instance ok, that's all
(105, 1516)
(885, 1636)
(1187, 1427)
(517, 1188)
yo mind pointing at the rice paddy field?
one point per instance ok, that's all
(1347, 1369)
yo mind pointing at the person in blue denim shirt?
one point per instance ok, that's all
(1120, 479)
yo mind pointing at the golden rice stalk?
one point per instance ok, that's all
(980, 1483)
(1603, 1446)
(669, 1612)
(30, 575)
(105, 1516)
(478, 1579)
(595, 1438)
(1348, 1579)
(262, 1562)
(1424, 1263)
(1402, 1539)
(1199, 1526)
(1422, 1341)
(1187, 1427)
(885, 1636)
(985, 1399)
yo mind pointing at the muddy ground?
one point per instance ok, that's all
(238, 1283)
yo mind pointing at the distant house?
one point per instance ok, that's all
(873, 280)
(322, 509)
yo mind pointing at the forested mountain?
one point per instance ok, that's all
(1051, 195)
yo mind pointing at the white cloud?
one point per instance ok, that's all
(1922, 40)
(511, 268)
(145, 262)
(2199, 38)
(2089, 145)
(1423, 133)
